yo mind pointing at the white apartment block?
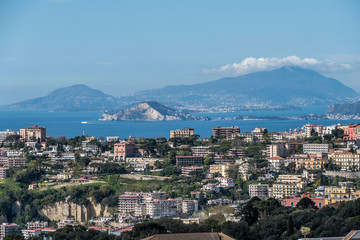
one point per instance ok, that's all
(313, 127)
(7, 229)
(200, 151)
(164, 208)
(276, 163)
(275, 150)
(225, 182)
(5, 134)
(316, 148)
(190, 206)
(37, 224)
(259, 190)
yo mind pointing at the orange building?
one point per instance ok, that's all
(123, 150)
(352, 132)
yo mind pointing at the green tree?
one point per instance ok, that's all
(305, 203)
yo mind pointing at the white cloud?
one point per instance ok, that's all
(251, 64)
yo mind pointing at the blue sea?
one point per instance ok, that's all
(69, 123)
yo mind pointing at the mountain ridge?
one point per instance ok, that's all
(78, 97)
(282, 86)
(285, 87)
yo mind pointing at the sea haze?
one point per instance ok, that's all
(69, 123)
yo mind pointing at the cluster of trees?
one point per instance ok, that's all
(272, 222)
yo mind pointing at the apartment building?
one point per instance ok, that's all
(189, 160)
(307, 161)
(7, 229)
(4, 173)
(225, 182)
(250, 137)
(201, 151)
(37, 224)
(190, 206)
(186, 132)
(187, 170)
(12, 162)
(129, 201)
(275, 150)
(259, 190)
(352, 132)
(313, 148)
(68, 222)
(276, 164)
(5, 134)
(283, 189)
(164, 208)
(225, 132)
(123, 150)
(347, 161)
(34, 133)
(309, 128)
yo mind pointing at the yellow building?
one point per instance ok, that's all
(224, 170)
(283, 189)
(340, 194)
(186, 132)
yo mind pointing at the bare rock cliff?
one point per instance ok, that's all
(65, 210)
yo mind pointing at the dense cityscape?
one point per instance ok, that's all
(294, 183)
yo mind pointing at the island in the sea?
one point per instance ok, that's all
(149, 111)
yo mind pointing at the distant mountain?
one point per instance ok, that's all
(291, 86)
(148, 111)
(348, 109)
(74, 98)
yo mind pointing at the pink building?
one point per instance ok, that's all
(123, 150)
(352, 132)
(293, 200)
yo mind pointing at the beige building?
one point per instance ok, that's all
(347, 161)
(34, 133)
(275, 150)
(186, 132)
(283, 189)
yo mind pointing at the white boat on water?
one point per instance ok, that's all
(84, 122)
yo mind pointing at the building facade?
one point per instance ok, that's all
(186, 132)
(225, 132)
(34, 133)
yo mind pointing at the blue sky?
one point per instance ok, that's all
(123, 46)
